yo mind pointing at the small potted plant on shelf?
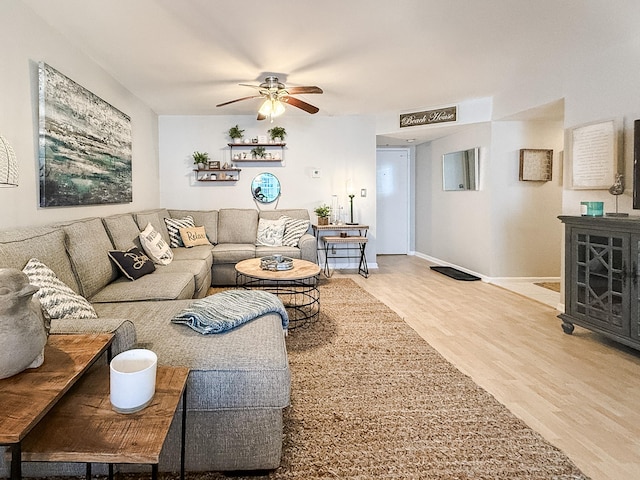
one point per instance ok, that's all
(258, 152)
(323, 212)
(236, 134)
(200, 159)
(277, 134)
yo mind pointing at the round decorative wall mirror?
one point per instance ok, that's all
(265, 188)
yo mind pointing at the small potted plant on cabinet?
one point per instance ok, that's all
(200, 159)
(277, 134)
(323, 212)
(236, 134)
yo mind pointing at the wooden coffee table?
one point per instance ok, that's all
(83, 427)
(27, 397)
(297, 288)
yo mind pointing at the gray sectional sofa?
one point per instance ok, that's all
(239, 382)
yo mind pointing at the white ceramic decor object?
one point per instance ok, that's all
(133, 380)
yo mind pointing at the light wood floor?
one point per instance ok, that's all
(580, 391)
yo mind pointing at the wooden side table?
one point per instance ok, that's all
(348, 234)
(83, 427)
(26, 398)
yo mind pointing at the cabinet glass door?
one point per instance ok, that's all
(602, 274)
(635, 291)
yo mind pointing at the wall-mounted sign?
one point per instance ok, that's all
(428, 117)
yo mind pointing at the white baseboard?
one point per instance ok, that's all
(437, 261)
(486, 278)
(348, 266)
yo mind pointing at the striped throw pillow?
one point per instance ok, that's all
(173, 227)
(293, 229)
(56, 298)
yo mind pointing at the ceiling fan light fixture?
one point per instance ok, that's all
(271, 108)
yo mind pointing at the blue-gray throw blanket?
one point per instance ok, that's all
(226, 310)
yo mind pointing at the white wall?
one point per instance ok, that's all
(26, 40)
(527, 234)
(342, 148)
(605, 87)
(454, 227)
(508, 228)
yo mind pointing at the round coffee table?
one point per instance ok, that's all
(297, 288)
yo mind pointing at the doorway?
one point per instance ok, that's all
(392, 201)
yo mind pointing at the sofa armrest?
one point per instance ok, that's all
(308, 248)
(124, 330)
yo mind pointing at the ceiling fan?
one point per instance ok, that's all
(276, 94)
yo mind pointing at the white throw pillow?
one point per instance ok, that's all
(155, 247)
(56, 298)
(270, 232)
(293, 230)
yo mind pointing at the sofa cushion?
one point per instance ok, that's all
(133, 263)
(202, 218)
(173, 227)
(270, 232)
(237, 225)
(56, 298)
(88, 243)
(157, 286)
(249, 370)
(123, 231)
(233, 252)
(200, 252)
(155, 246)
(17, 247)
(298, 213)
(292, 252)
(200, 269)
(194, 236)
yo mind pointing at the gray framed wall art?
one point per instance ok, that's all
(84, 145)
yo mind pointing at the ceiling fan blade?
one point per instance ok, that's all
(302, 90)
(238, 100)
(296, 102)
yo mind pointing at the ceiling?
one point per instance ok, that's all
(369, 56)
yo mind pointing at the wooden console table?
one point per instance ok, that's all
(346, 236)
(26, 398)
(83, 427)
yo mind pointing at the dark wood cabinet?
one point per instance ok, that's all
(601, 276)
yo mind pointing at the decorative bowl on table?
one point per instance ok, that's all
(276, 263)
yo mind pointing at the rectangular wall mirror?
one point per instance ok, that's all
(460, 170)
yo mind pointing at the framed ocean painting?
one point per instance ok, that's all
(85, 145)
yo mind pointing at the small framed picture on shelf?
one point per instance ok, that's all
(536, 165)
(214, 165)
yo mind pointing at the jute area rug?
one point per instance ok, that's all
(370, 399)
